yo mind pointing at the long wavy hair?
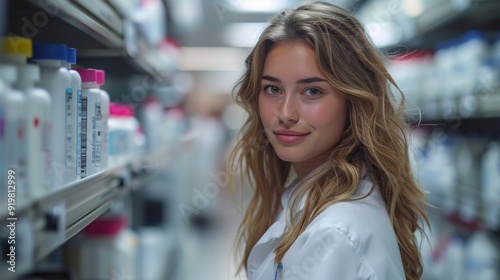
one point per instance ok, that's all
(375, 136)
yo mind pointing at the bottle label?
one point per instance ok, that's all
(83, 137)
(21, 157)
(96, 135)
(117, 142)
(14, 147)
(47, 152)
(69, 128)
(78, 131)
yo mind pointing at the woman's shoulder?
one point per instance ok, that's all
(358, 232)
(366, 213)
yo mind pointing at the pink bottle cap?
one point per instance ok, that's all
(106, 226)
(88, 75)
(118, 110)
(100, 77)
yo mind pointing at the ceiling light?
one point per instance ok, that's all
(258, 5)
(384, 34)
(243, 34)
(413, 8)
(212, 59)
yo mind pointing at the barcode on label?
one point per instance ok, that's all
(78, 130)
(83, 137)
(69, 129)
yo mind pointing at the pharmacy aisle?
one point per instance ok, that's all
(447, 62)
(116, 120)
(85, 141)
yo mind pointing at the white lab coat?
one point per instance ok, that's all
(348, 241)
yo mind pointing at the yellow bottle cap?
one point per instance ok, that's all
(16, 45)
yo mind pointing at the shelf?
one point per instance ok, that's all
(75, 207)
(450, 19)
(55, 218)
(81, 19)
(467, 211)
(481, 106)
(83, 26)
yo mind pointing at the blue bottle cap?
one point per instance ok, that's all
(49, 51)
(71, 55)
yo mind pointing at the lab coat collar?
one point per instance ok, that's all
(273, 235)
(287, 200)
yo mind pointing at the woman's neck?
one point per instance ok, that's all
(302, 169)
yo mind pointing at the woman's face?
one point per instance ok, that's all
(302, 114)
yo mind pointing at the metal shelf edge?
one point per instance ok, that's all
(73, 15)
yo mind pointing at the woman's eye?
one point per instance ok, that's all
(312, 92)
(272, 90)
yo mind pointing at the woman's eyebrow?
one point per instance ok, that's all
(270, 78)
(301, 81)
(310, 80)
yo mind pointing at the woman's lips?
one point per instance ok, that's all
(289, 137)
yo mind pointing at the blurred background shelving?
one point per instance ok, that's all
(175, 63)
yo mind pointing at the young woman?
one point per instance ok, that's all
(325, 151)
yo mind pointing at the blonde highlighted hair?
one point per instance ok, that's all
(375, 135)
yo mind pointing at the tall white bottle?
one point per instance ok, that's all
(482, 257)
(15, 50)
(36, 152)
(74, 101)
(38, 126)
(57, 81)
(12, 134)
(91, 130)
(101, 80)
(3, 144)
(490, 185)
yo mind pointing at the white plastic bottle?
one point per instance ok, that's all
(16, 50)
(38, 126)
(123, 128)
(101, 80)
(490, 185)
(73, 102)
(108, 250)
(36, 154)
(473, 51)
(482, 257)
(467, 159)
(12, 101)
(57, 81)
(152, 117)
(3, 144)
(116, 135)
(454, 259)
(91, 137)
(495, 60)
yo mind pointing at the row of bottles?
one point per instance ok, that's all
(456, 69)
(58, 125)
(461, 252)
(53, 119)
(461, 173)
(106, 249)
(110, 248)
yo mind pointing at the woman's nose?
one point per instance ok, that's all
(288, 113)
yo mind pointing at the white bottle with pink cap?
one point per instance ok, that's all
(90, 130)
(105, 118)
